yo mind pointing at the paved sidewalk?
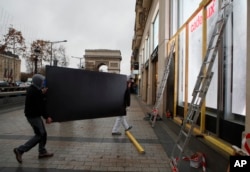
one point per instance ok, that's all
(85, 145)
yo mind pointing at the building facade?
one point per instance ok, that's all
(190, 24)
(98, 57)
(10, 68)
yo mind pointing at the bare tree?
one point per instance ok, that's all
(62, 59)
(38, 60)
(14, 42)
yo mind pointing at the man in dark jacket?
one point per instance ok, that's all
(34, 110)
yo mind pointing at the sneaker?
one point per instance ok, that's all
(45, 155)
(116, 133)
(18, 155)
(128, 128)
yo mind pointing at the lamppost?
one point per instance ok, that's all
(51, 44)
(80, 58)
(37, 51)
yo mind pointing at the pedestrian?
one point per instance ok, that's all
(34, 111)
(121, 119)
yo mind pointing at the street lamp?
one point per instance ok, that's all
(37, 52)
(51, 44)
(80, 58)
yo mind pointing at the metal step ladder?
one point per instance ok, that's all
(201, 87)
(160, 91)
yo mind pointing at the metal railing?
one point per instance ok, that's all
(12, 89)
(10, 98)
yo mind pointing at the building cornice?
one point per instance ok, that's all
(142, 10)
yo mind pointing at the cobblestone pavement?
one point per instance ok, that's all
(85, 145)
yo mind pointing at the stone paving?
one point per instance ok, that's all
(85, 145)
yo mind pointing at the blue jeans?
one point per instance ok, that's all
(39, 138)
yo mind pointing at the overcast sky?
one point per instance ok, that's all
(85, 24)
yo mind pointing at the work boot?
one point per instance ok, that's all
(129, 128)
(45, 155)
(116, 133)
(18, 155)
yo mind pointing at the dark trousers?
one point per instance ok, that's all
(39, 138)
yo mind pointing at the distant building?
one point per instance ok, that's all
(98, 57)
(10, 67)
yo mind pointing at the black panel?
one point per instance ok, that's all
(180, 111)
(231, 132)
(75, 94)
(170, 88)
(211, 123)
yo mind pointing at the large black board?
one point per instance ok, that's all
(75, 94)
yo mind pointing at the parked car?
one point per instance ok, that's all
(29, 81)
(3, 85)
(18, 83)
(24, 84)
